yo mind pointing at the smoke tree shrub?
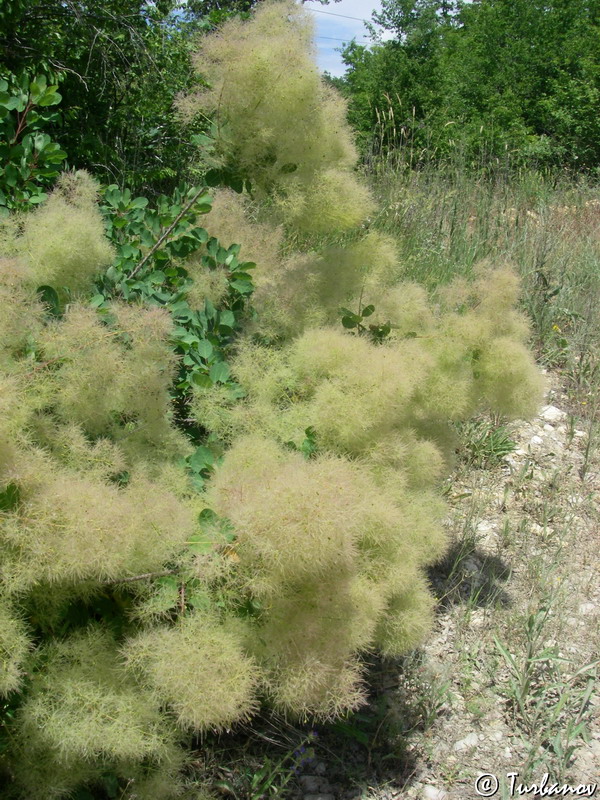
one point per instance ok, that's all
(140, 608)
(332, 548)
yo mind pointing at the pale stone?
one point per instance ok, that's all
(552, 414)
(311, 783)
(587, 608)
(433, 793)
(469, 741)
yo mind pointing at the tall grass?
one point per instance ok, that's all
(449, 219)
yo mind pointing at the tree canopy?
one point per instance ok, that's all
(490, 79)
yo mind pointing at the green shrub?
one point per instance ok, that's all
(191, 524)
(30, 159)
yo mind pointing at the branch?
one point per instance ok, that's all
(171, 227)
(147, 575)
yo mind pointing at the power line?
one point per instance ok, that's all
(332, 14)
(333, 39)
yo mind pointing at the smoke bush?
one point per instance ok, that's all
(273, 110)
(14, 648)
(144, 606)
(82, 712)
(63, 241)
(332, 549)
(211, 684)
(277, 121)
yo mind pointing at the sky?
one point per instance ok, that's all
(331, 29)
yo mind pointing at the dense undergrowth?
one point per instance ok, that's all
(219, 476)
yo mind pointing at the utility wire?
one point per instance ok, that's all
(333, 39)
(332, 14)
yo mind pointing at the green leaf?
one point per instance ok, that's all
(208, 516)
(139, 202)
(204, 348)
(112, 195)
(227, 318)
(200, 459)
(49, 99)
(37, 198)
(10, 497)
(212, 248)
(11, 175)
(202, 380)
(200, 234)
(49, 297)
(199, 543)
(219, 372)
(350, 322)
(168, 582)
(367, 311)
(40, 141)
(243, 287)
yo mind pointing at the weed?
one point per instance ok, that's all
(484, 444)
(548, 695)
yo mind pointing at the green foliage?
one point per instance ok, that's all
(354, 321)
(154, 265)
(484, 443)
(118, 122)
(30, 159)
(486, 84)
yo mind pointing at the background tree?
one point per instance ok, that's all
(118, 120)
(487, 79)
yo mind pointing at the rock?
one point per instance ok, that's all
(552, 414)
(464, 744)
(319, 797)
(471, 566)
(536, 528)
(536, 440)
(433, 793)
(478, 618)
(587, 608)
(548, 428)
(320, 769)
(313, 783)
